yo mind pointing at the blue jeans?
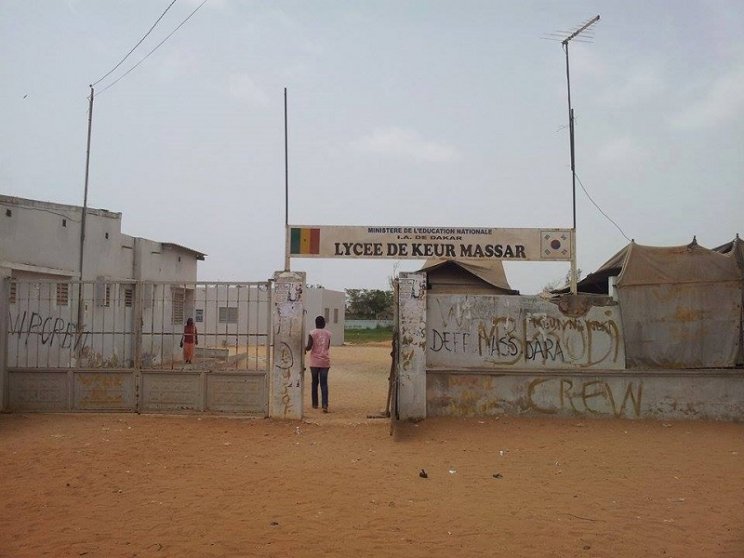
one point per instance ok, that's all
(320, 376)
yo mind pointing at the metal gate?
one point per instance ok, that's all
(126, 354)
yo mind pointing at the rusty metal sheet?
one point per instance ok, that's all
(682, 325)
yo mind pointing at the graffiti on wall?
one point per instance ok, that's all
(520, 331)
(286, 379)
(47, 330)
(483, 394)
(597, 397)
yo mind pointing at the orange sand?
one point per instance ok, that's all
(339, 485)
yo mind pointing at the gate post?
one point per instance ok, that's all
(412, 346)
(286, 385)
(4, 312)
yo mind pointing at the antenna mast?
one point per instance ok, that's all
(564, 42)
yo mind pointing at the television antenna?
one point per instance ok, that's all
(579, 35)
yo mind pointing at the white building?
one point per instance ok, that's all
(329, 304)
(41, 239)
(135, 293)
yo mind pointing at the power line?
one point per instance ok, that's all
(600, 209)
(153, 50)
(111, 71)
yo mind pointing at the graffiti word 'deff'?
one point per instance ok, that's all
(450, 341)
(551, 395)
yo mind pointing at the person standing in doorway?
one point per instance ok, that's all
(189, 340)
(319, 345)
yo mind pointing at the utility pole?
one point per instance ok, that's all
(286, 188)
(564, 42)
(81, 306)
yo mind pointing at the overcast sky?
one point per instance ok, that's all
(433, 113)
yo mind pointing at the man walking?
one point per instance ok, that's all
(319, 345)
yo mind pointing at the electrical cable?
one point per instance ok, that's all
(153, 50)
(600, 209)
(111, 71)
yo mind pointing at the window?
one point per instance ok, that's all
(128, 296)
(335, 315)
(103, 294)
(178, 296)
(327, 315)
(199, 315)
(228, 315)
(13, 291)
(63, 294)
(64, 222)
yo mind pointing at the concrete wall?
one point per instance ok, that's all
(449, 348)
(329, 304)
(487, 331)
(148, 391)
(667, 395)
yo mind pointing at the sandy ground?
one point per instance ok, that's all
(339, 485)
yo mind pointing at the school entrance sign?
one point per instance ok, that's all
(416, 243)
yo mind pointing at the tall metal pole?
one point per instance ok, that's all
(574, 271)
(286, 188)
(81, 307)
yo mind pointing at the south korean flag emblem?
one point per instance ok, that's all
(555, 245)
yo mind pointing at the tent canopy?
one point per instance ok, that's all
(467, 275)
(691, 263)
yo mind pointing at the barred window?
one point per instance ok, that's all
(13, 291)
(128, 296)
(63, 294)
(199, 315)
(228, 315)
(178, 296)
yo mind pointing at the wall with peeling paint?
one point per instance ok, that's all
(491, 331)
(669, 395)
(285, 398)
(412, 346)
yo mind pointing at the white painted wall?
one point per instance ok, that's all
(329, 304)
(44, 238)
(251, 314)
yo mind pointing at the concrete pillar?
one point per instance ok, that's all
(412, 346)
(4, 312)
(286, 383)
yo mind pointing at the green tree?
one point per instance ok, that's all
(369, 304)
